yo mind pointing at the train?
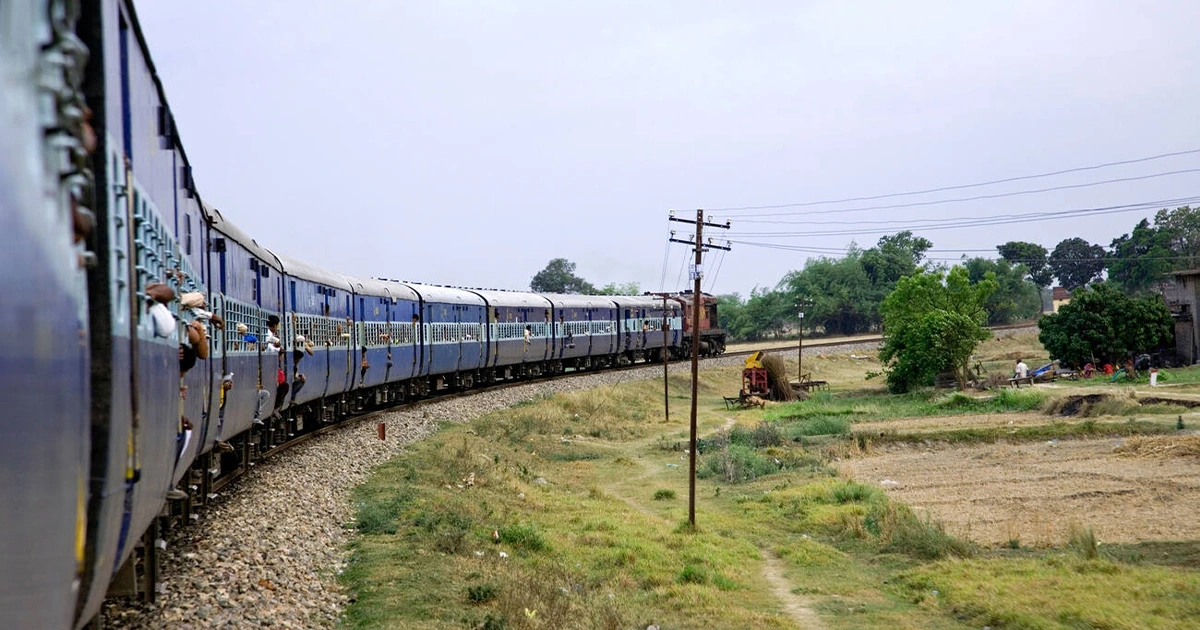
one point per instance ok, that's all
(151, 348)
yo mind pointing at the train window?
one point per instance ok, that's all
(187, 242)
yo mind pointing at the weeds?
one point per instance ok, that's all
(379, 516)
(1082, 540)
(663, 494)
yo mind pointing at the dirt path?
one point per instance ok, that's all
(794, 606)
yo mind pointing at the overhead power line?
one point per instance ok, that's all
(1080, 169)
(1005, 219)
(1015, 193)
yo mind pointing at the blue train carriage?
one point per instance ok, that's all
(585, 330)
(139, 440)
(452, 336)
(641, 320)
(44, 367)
(385, 337)
(247, 293)
(320, 317)
(520, 333)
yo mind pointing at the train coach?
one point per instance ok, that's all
(153, 349)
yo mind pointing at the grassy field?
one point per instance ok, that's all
(571, 512)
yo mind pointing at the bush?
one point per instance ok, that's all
(736, 463)
(663, 494)
(1083, 542)
(482, 593)
(764, 435)
(523, 535)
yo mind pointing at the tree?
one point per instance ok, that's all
(1076, 262)
(1140, 258)
(1015, 298)
(895, 256)
(612, 288)
(932, 323)
(1181, 229)
(559, 277)
(1033, 256)
(1102, 324)
(840, 296)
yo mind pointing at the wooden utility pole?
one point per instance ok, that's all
(697, 296)
(695, 367)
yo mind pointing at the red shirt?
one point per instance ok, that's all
(280, 378)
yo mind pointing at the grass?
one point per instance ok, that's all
(573, 522)
(1057, 591)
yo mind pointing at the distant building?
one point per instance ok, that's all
(1182, 302)
(1060, 297)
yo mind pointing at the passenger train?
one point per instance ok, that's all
(149, 347)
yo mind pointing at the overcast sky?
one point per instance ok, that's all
(470, 142)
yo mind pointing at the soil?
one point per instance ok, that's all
(1033, 492)
(797, 607)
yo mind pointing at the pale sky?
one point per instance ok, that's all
(470, 142)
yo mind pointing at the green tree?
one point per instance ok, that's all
(1181, 228)
(1015, 298)
(841, 297)
(893, 257)
(1033, 256)
(1140, 258)
(559, 277)
(932, 323)
(731, 315)
(1103, 324)
(627, 288)
(766, 313)
(1076, 262)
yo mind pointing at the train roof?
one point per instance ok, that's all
(234, 233)
(519, 299)
(313, 273)
(574, 300)
(382, 288)
(638, 301)
(443, 295)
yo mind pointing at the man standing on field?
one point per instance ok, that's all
(1022, 369)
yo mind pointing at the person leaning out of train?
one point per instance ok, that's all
(272, 336)
(159, 296)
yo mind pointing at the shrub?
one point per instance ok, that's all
(523, 535)
(819, 425)
(692, 574)
(482, 593)
(851, 492)
(663, 494)
(736, 463)
(1082, 540)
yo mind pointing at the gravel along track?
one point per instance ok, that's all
(267, 553)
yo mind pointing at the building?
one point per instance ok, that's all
(1060, 297)
(1182, 302)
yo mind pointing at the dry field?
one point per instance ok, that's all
(1128, 490)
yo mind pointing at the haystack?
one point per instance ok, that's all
(777, 378)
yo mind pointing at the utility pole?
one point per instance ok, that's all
(802, 305)
(697, 275)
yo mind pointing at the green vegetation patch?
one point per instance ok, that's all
(1059, 591)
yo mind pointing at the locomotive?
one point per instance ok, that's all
(151, 348)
